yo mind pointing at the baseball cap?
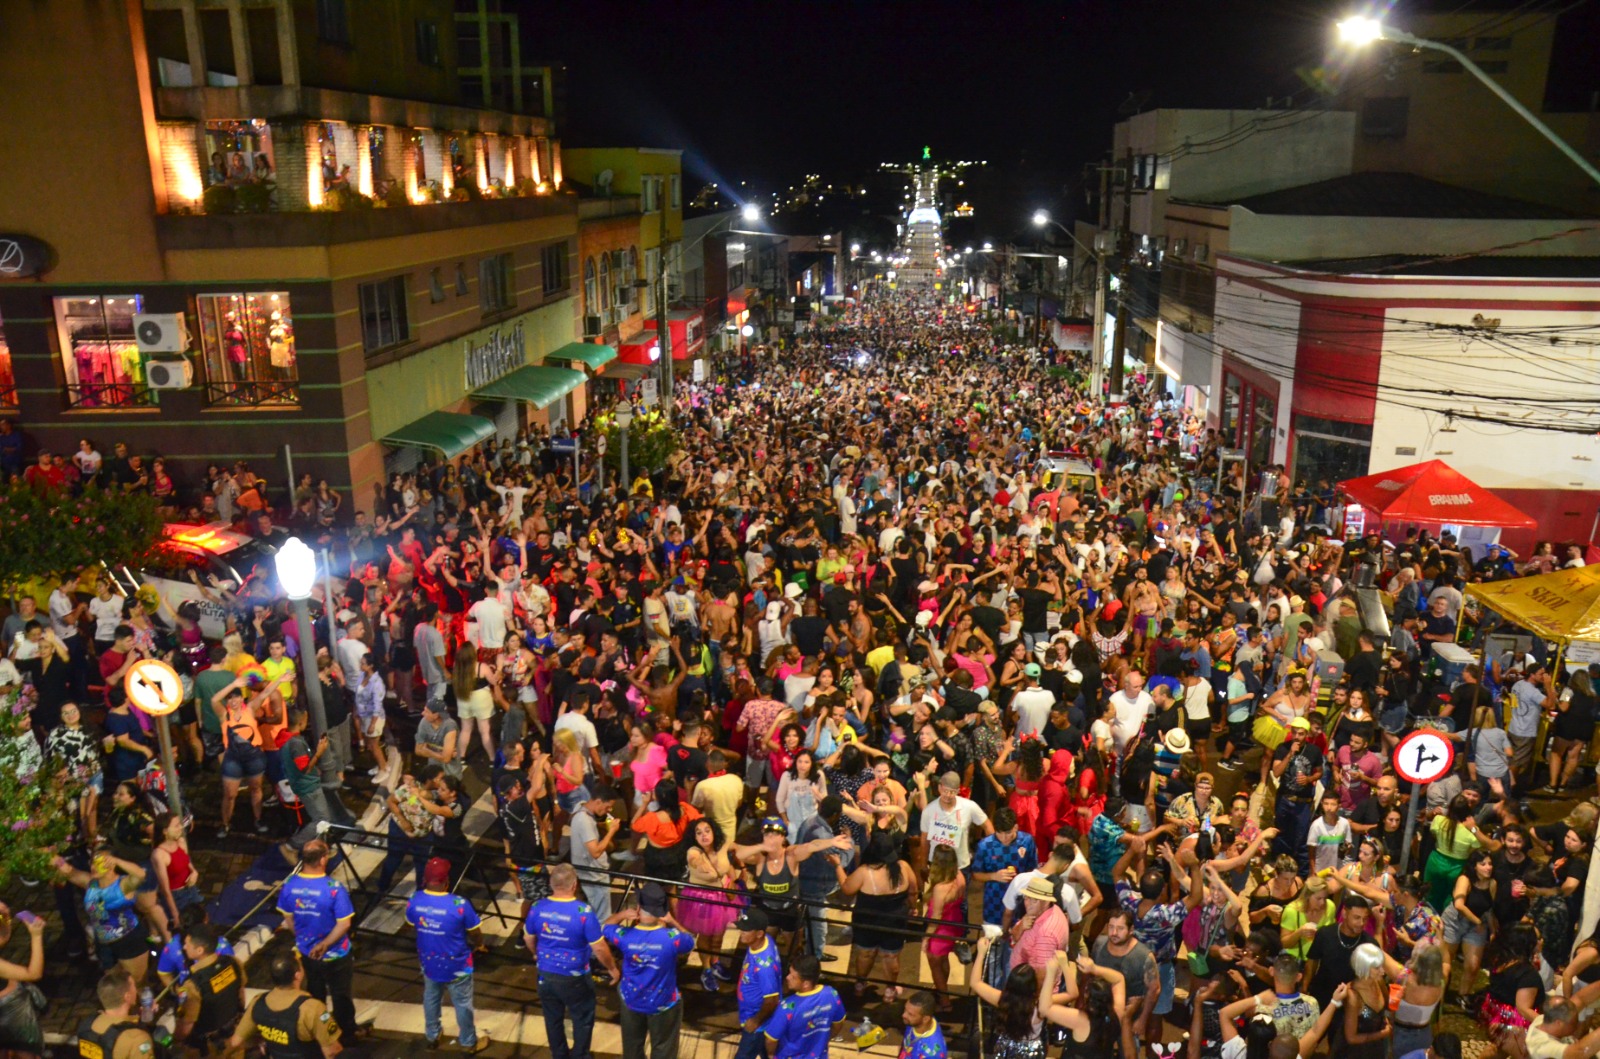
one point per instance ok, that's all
(752, 918)
(653, 899)
(1032, 669)
(773, 824)
(1301, 723)
(436, 874)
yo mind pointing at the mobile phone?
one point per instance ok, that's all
(27, 917)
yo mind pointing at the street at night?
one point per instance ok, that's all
(1000, 531)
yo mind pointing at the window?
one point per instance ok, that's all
(652, 272)
(99, 357)
(497, 283)
(247, 344)
(427, 42)
(435, 286)
(647, 194)
(462, 288)
(630, 275)
(8, 381)
(676, 183)
(383, 314)
(591, 301)
(553, 259)
(1492, 44)
(333, 21)
(605, 283)
(1494, 66)
(1441, 66)
(1385, 116)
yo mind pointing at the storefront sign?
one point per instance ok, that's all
(24, 257)
(499, 352)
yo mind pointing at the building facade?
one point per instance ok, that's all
(273, 254)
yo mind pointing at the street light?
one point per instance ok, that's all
(297, 572)
(624, 418)
(1041, 218)
(855, 248)
(987, 247)
(1361, 31)
(751, 212)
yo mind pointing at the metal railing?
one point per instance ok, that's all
(110, 395)
(253, 393)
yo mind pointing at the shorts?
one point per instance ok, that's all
(475, 707)
(243, 762)
(147, 885)
(571, 800)
(211, 743)
(533, 885)
(1521, 752)
(185, 716)
(757, 774)
(371, 727)
(1458, 930)
(1199, 731)
(128, 947)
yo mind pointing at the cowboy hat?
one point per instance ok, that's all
(1176, 740)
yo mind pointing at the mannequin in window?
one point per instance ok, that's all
(280, 341)
(234, 347)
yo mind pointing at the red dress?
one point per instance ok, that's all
(1024, 801)
(1053, 804)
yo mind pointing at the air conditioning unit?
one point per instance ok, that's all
(593, 325)
(169, 374)
(161, 332)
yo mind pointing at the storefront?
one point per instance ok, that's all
(489, 383)
(688, 330)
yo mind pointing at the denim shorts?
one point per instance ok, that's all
(243, 761)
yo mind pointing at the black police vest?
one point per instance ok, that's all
(280, 1031)
(101, 1045)
(218, 984)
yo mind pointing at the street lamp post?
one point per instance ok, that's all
(297, 572)
(1043, 218)
(749, 212)
(1363, 31)
(624, 419)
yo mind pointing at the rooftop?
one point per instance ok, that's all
(1394, 195)
(1479, 266)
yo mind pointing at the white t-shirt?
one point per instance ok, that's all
(1131, 714)
(1325, 841)
(1032, 708)
(949, 828)
(490, 614)
(582, 730)
(62, 605)
(107, 615)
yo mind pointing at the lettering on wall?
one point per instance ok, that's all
(502, 351)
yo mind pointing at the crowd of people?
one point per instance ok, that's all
(870, 673)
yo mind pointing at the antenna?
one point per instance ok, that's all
(602, 181)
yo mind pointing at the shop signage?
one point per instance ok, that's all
(24, 257)
(495, 354)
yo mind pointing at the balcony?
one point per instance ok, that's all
(104, 395)
(261, 394)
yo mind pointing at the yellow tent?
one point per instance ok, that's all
(1562, 606)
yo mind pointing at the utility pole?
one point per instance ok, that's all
(1098, 339)
(663, 332)
(1120, 338)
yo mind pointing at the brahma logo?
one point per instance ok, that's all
(1449, 499)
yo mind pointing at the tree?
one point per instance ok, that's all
(37, 798)
(651, 441)
(52, 534)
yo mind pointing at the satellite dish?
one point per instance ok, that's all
(602, 182)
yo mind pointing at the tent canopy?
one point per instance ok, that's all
(1562, 606)
(449, 433)
(1433, 493)
(590, 353)
(535, 384)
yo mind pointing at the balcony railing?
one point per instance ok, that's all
(252, 394)
(115, 395)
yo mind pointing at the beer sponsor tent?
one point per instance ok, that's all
(1432, 494)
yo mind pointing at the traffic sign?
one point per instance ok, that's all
(154, 687)
(1424, 756)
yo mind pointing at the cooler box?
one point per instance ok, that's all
(1452, 658)
(1329, 667)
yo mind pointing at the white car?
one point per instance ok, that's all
(189, 557)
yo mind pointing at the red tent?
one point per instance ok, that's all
(1435, 494)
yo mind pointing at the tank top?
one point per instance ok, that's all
(1196, 704)
(1479, 901)
(178, 868)
(240, 724)
(110, 911)
(777, 888)
(280, 1030)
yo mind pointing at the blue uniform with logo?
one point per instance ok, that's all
(650, 957)
(563, 928)
(804, 1022)
(760, 977)
(925, 1046)
(442, 921)
(171, 960)
(317, 903)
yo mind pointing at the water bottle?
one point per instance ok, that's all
(863, 1029)
(147, 1005)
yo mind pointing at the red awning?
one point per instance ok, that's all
(636, 349)
(1433, 493)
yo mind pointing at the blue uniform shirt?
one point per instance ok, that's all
(760, 976)
(924, 1046)
(804, 1022)
(442, 921)
(318, 904)
(171, 960)
(563, 928)
(649, 964)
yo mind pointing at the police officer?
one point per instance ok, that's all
(562, 933)
(290, 1022)
(115, 1033)
(211, 998)
(318, 911)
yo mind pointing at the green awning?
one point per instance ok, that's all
(450, 433)
(534, 384)
(589, 353)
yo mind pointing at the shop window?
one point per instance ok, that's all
(241, 157)
(247, 344)
(8, 381)
(383, 314)
(554, 261)
(99, 357)
(497, 287)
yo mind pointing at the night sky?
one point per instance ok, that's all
(766, 92)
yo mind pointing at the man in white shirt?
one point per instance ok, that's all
(1032, 704)
(1133, 705)
(576, 720)
(949, 821)
(490, 614)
